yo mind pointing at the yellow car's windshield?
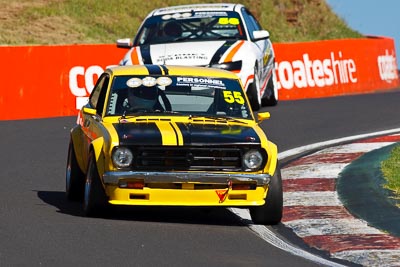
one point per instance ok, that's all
(186, 95)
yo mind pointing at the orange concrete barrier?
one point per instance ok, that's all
(50, 81)
(54, 81)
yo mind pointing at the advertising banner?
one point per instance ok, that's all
(50, 81)
(336, 67)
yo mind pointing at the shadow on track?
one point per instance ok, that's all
(187, 215)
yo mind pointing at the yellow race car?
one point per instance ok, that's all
(156, 135)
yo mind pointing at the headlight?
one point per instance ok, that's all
(252, 160)
(235, 65)
(122, 157)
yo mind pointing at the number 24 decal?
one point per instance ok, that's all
(231, 97)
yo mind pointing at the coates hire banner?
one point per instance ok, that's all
(336, 67)
(54, 81)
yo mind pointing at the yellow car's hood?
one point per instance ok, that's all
(185, 133)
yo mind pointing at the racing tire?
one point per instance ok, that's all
(271, 212)
(74, 177)
(272, 100)
(95, 202)
(253, 97)
(253, 93)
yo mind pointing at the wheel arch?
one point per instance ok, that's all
(77, 144)
(252, 90)
(253, 74)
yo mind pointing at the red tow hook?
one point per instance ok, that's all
(222, 194)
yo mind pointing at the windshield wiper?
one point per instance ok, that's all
(184, 38)
(144, 112)
(124, 116)
(229, 37)
(223, 119)
(167, 111)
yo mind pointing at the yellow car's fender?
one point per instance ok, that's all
(97, 147)
(271, 149)
(272, 158)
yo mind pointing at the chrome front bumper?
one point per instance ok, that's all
(185, 177)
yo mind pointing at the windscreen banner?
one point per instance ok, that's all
(55, 81)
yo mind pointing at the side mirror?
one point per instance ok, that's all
(260, 35)
(263, 116)
(124, 43)
(90, 111)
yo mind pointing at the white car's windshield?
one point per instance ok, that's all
(191, 26)
(180, 95)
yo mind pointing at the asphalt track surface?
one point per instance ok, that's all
(39, 227)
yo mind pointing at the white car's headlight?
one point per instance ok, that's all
(253, 160)
(122, 157)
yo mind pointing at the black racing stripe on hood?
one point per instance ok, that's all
(221, 51)
(146, 56)
(138, 134)
(217, 134)
(154, 69)
(165, 69)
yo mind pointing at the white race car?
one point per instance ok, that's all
(225, 36)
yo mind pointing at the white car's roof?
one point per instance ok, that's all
(197, 7)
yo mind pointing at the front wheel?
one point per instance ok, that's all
(74, 177)
(95, 199)
(271, 212)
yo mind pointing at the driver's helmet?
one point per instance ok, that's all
(142, 97)
(173, 29)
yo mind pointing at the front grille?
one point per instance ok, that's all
(187, 158)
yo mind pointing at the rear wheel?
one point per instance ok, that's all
(253, 92)
(95, 200)
(271, 212)
(74, 177)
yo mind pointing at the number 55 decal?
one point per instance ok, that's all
(231, 97)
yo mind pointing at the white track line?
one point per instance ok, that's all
(371, 257)
(325, 198)
(313, 227)
(354, 148)
(269, 236)
(317, 170)
(302, 149)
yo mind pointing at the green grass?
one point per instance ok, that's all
(104, 21)
(391, 172)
